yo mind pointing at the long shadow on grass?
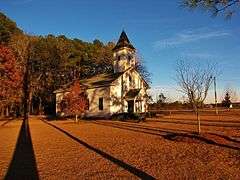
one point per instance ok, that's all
(137, 172)
(192, 122)
(23, 164)
(168, 130)
(144, 127)
(173, 136)
(205, 120)
(226, 137)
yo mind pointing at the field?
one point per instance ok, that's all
(164, 147)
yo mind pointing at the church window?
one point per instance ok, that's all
(129, 58)
(119, 58)
(130, 80)
(100, 103)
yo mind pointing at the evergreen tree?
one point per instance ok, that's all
(7, 28)
(226, 101)
(161, 98)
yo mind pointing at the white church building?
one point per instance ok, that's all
(118, 92)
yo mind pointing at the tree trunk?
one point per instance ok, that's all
(76, 118)
(196, 110)
(199, 122)
(26, 92)
(17, 111)
(12, 109)
(7, 111)
(40, 106)
(30, 108)
(2, 112)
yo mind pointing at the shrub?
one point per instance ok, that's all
(128, 116)
(150, 114)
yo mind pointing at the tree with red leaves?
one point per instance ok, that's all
(10, 78)
(76, 100)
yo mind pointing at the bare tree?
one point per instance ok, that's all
(194, 80)
(227, 7)
(142, 69)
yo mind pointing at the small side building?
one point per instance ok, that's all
(125, 90)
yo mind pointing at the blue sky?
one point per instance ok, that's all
(162, 31)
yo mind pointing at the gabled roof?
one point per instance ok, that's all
(100, 80)
(123, 42)
(140, 75)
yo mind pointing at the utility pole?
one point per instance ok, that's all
(215, 92)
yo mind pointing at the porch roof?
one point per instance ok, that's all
(132, 93)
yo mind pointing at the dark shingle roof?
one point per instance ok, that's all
(123, 42)
(101, 80)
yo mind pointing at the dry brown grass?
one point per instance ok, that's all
(163, 148)
(9, 130)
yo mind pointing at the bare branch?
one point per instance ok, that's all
(215, 6)
(195, 80)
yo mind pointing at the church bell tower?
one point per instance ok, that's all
(124, 54)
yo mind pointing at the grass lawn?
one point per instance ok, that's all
(166, 147)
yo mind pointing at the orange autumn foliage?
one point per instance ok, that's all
(10, 77)
(76, 100)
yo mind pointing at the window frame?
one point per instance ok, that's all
(100, 104)
(129, 58)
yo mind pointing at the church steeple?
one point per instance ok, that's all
(124, 54)
(123, 42)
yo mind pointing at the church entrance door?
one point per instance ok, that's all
(131, 106)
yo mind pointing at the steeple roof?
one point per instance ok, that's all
(123, 42)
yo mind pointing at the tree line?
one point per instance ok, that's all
(43, 64)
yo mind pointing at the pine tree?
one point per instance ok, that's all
(161, 99)
(226, 101)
